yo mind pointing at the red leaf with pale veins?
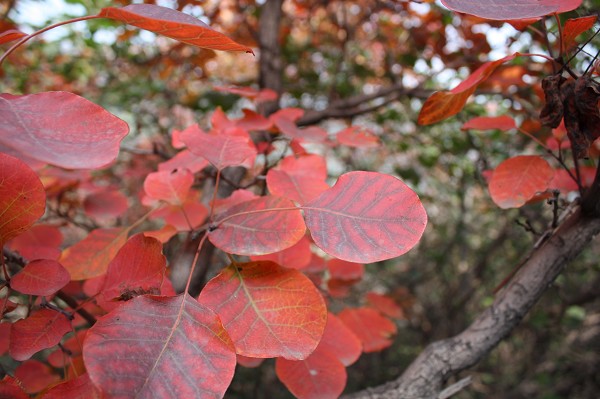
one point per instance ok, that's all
(22, 197)
(85, 136)
(356, 136)
(40, 277)
(10, 388)
(186, 217)
(298, 256)
(221, 151)
(490, 122)
(267, 310)
(174, 24)
(299, 179)
(504, 9)
(443, 104)
(105, 204)
(78, 388)
(575, 27)
(41, 330)
(370, 327)
(320, 376)
(341, 341)
(385, 305)
(90, 257)
(138, 268)
(366, 217)
(11, 35)
(150, 340)
(516, 180)
(258, 227)
(171, 187)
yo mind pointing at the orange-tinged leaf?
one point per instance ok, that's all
(575, 27)
(90, 257)
(357, 136)
(172, 187)
(84, 136)
(299, 179)
(138, 268)
(443, 104)
(80, 387)
(320, 376)
(516, 180)
(11, 35)
(267, 310)
(385, 305)
(341, 341)
(258, 227)
(223, 150)
(163, 234)
(22, 197)
(503, 122)
(157, 346)
(366, 217)
(174, 24)
(298, 256)
(10, 388)
(41, 330)
(40, 277)
(504, 9)
(374, 330)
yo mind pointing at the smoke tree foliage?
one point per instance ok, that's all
(146, 270)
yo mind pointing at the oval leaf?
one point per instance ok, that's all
(258, 227)
(84, 136)
(40, 277)
(341, 341)
(221, 151)
(575, 27)
(356, 136)
(504, 9)
(516, 180)
(267, 310)
(22, 197)
(370, 327)
(105, 204)
(299, 179)
(174, 24)
(366, 217)
(298, 256)
(490, 122)
(172, 187)
(165, 347)
(11, 35)
(42, 330)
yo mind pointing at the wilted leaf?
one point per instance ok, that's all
(22, 197)
(516, 180)
(40, 277)
(490, 122)
(258, 227)
(366, 217)
(164, 347)
(174, 24)
(267, 310)
(374, 330)
(299, 179)
(41, 330)
(85, 135)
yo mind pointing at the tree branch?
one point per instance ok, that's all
(425, 377)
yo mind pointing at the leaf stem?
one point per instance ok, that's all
(214, 198)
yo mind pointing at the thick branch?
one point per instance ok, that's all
(440, 360)
(271, 65)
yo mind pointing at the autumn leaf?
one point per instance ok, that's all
(172, 187)
(11, 35)
(504, 9)
(80, 387)
(220, 150)
(374, 330)
(174, 24)
(490, 122)
(40, 277)
(356, 136)
(298, 256)
(41, 330)
(267, 310)
(300, 179)
(575, 27)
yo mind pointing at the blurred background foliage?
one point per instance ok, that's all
(333, 50)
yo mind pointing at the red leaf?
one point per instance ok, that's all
(10, 388)
(39, 242)
(171, 187)
(174, 24)
(504, 9)
(516, 180)
(237, 197)
(253, 121)
(11, 35)
(184, 218)
(298, 256)
(163, 234)
(267, 310)
(249, 362)
(366, 217)
(77, 388)
(221, 151)
(84, 136)
(105, 204)
(90, 257)
(299, 179)
(155, 346)
(40, 277)
(356, 136)
(385, 305)
(490, 122)
(35, 376)
(138, 268)
(343, 270)
(41, 330)
(184, 160)
(258, 227)
(443, 104)
(22, 197)
(320, 376)
(370, 327)
(248, 92)
(341, 341)
(575, 27)
(4, 338)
